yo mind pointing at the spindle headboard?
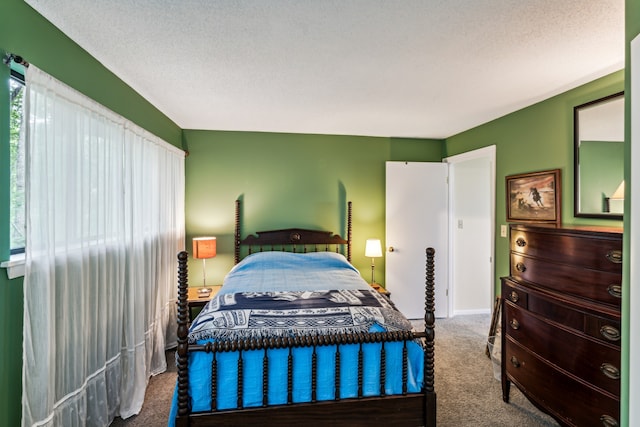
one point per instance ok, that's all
(292, 239)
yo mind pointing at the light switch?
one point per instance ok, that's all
(460, 224)
(503, 231)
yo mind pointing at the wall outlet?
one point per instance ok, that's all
(503, 231)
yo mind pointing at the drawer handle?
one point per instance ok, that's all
(610, 371)
(521, 242)
(521, 267)
(516, 363)
(608, 421)
(514, 324)
(615, 291)
(609, 332)
(513, 296)
(614, 256)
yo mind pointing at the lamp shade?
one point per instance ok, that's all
(619, 193)
(204, 247)
(373, 249)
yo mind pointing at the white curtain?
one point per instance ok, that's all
(105, 220)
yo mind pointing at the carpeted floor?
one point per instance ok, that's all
(467, 392)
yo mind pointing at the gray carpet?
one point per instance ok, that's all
(467, 392)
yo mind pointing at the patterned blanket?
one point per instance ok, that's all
(267, 314)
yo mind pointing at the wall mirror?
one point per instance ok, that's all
(598, 158)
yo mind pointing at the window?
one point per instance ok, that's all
(17, 165)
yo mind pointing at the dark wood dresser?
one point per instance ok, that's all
(561, 322)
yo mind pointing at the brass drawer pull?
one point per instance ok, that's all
(521, 267)
(608, 421)
(609, 332)
(614, 256)
(513, 296)
(514, 324)
(610, 371)
(515, 362)
(615, 291)
(521, 242)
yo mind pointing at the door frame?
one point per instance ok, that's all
(632, 220)
(488, 152)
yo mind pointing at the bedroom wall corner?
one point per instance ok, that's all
(538, 137)
(25, 32)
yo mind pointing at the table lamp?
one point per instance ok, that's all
(617, 195)
(204, 248)
(373, 250)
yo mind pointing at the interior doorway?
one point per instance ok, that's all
(471, 231)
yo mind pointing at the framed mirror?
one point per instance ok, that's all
(598, 128)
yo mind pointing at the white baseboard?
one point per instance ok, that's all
(472, 311)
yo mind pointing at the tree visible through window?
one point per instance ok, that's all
(17, 166)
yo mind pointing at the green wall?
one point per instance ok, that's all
(24, 32)
(290, 180)
(538, 137)
(10, 291)
(314, 175)
(601, 171)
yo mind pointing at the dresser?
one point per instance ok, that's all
(561, 322)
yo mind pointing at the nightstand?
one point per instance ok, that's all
(380, 289)
(195, 299)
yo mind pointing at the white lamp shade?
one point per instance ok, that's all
(204, 247)
(373, 249)
(619, 193)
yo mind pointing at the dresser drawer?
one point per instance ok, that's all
(514, 294)
(562, 395)
(605, 329)
(598, 252)
(593, 361)
(600, 286)
(591, 320)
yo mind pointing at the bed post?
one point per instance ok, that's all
(183, 342)
(236, 234)
(429, 321)
(349, 231)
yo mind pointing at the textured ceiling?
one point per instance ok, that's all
(403, 68)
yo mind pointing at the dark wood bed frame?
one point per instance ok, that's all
(407, 409)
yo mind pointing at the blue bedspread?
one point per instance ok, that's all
(286, 294)
(286, 271)
(294, 313)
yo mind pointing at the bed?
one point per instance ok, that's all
(274, 349)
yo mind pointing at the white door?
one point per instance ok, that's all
(416, 218)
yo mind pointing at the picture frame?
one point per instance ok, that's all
(534, 197)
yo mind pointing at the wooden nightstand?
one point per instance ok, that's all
(380, 289)
(195, 299)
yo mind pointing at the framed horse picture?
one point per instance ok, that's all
(534, 197)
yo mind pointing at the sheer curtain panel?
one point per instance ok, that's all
(105, 219)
